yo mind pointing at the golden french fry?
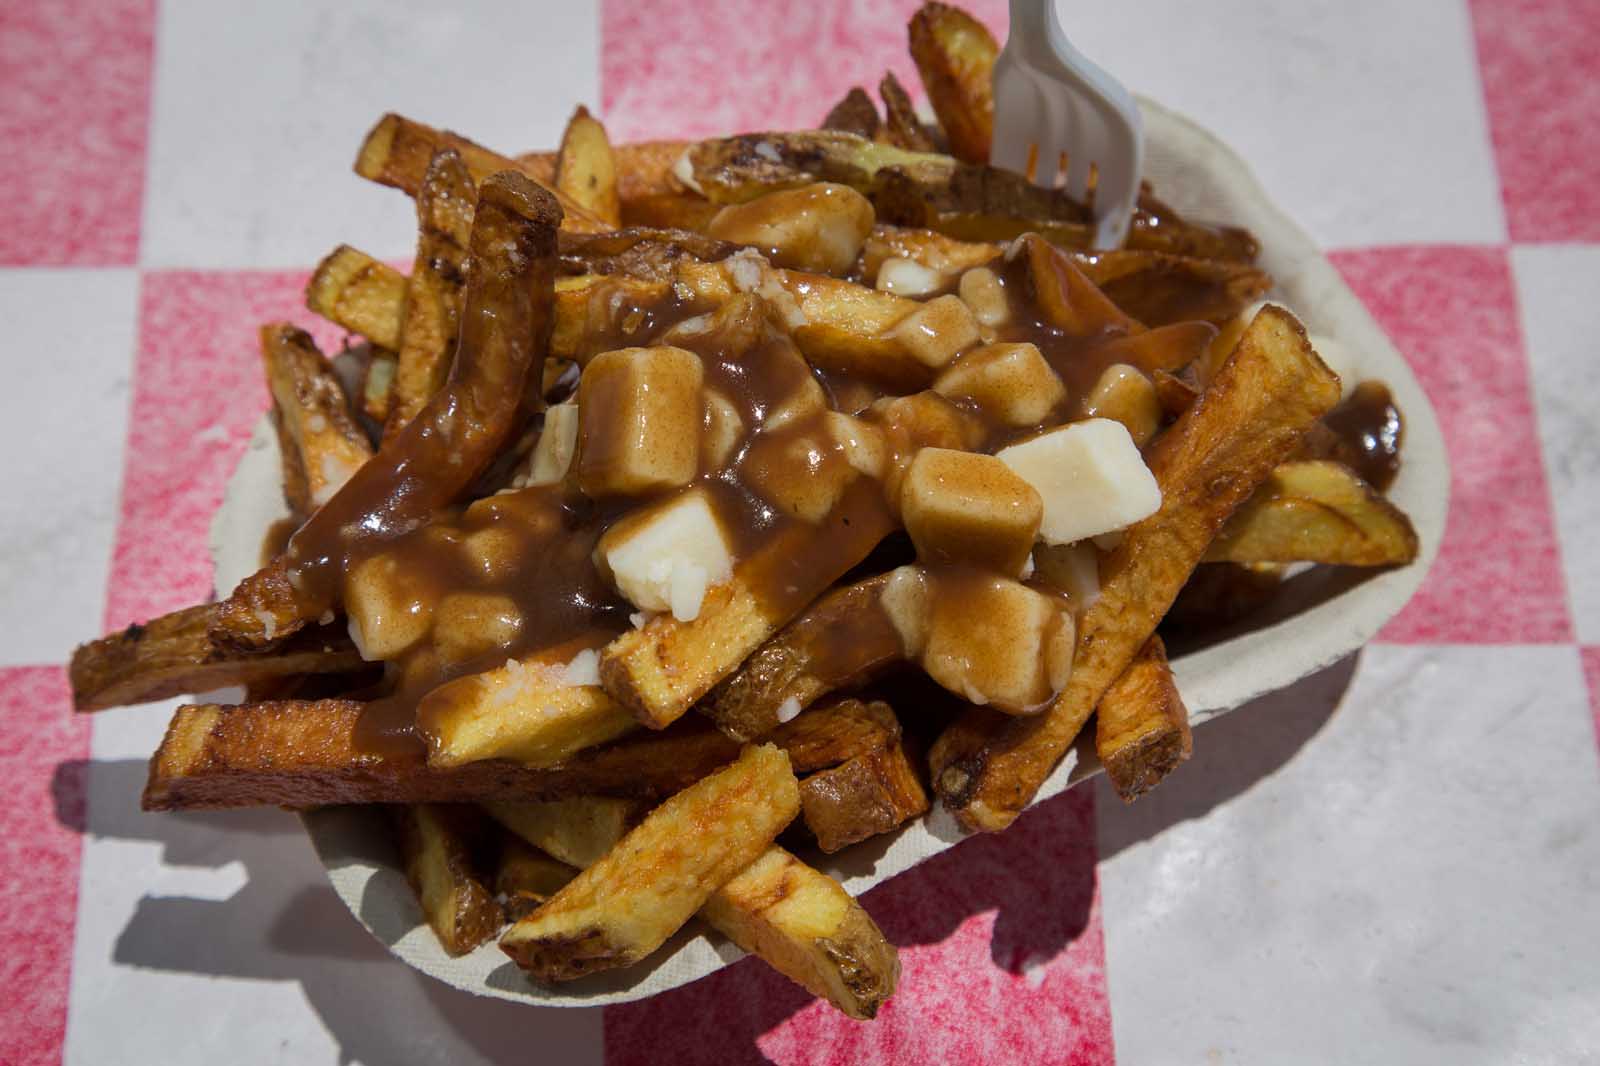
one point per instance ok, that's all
(172, 655)
(313, 415)
(1271, 389)
(437, 850)
(955, 55)
(446, 199)
(586, 170)
(1160, 289)
(798, 919)
(803, 924)
(351, 289)
(1316, 512)
(1141, 725)
(625, 905)
(525, 711)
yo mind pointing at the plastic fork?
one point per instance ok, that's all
(1065, 123)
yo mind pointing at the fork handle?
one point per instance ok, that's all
(1036, 30)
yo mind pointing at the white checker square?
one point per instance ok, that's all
(1409, 878)
(63, 423)
(1556, 287)
(213, 937)
(1364, 119)
(259, 110)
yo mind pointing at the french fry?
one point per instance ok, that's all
(872, 793)
(437, 846)
(351, 289)
(659, 671)
(445, 200)
(586, 170)
(955, 55)
(296, 490)
(1271, 389)
(525, 877)
(396, 152)
(803, 924)
(644, 169)
(824, 737)
(508, 314)
(798, 919)
(315, 419)
(1160, 289)
(1141, 725)
(855, 113)
(172, 655)
(625, 906)
(1316, 512)
(301, 754)
(577, 830)
(524, 711)
(901, 126)
(838, 642)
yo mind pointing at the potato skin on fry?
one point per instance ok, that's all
(626, 905)
(586, 170)
(872, 793)
(1141, 725)
(1270, 390)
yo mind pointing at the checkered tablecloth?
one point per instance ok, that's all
(1397, 860)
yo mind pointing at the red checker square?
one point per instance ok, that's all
(681, 69)
(1453, 312)
(1536, 59)
(74, 113)
(41, 814)
(1002, 960)
(1591, 674)
(197, 392)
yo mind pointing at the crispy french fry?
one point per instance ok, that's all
(955, 55)
(172, 655)
(873, 793)
(446, 200)
(438, 843)
(351, 289)
(1141, 725)
(644, 169)
(838, 642)
(824, 737)
(855, 113)
(806, 926)
(624, 906)
(441, 452)
(396, 152)
(901, 126)
(524, 711)
(525, 877)
(300, 754)
(659, 671)
(1271, 389)
(577, 830)
(931, 249)
(586, 170)
(315, 417)
(1316, 512)
(798, 919)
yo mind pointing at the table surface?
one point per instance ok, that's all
(1397, 860)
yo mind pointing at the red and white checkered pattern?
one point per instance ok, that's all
(1392, 861)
